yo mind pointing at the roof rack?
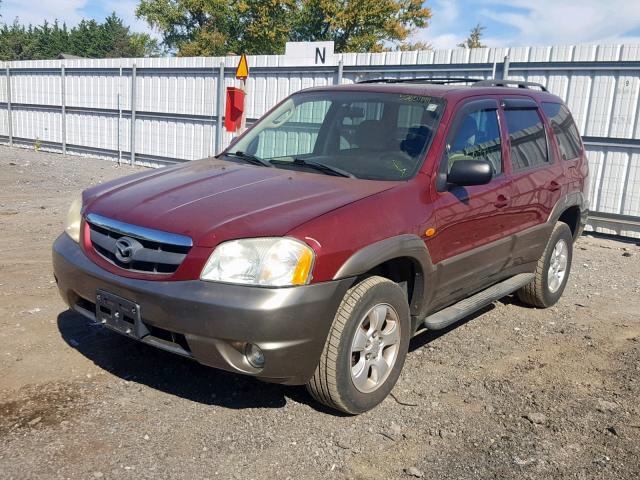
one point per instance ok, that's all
(506, 83)
(434, 80)
(477, 82)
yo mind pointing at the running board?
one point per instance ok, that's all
(458, 311)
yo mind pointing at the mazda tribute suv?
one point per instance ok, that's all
(344, 221)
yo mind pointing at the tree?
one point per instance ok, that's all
(410, 46)
(143, 45)
(86, 40)
(14, 42)
(474, 40)
(360, 25)
(118, 41)
(217, 27)
(89, 39)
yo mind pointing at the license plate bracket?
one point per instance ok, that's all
(119, 314)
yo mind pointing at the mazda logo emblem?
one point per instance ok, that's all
(126, 248)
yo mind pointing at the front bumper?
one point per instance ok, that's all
(211, 322)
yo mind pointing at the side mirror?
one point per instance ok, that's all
(466, 173)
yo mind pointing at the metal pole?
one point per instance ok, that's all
(9, 117)
(119, 118)
(132, 140)
(118, 141)
(63, 101)
(340, 72)
(505, 68)
(220, 108)
(243, 87)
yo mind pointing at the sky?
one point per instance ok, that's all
(507, 22)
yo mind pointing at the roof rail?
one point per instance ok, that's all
(477, 82)
(434, 80)
(506, 83)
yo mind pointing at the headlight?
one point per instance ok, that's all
(273, 262)
(72, 225)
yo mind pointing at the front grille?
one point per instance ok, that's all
(154, 251)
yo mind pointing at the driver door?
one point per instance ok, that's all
(472, 247)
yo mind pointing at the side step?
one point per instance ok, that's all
(458, 311)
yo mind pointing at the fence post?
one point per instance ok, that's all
(9, 116)
(119, 116)
(63, 101)
(220, 108)
(132, 138)
(340, 72)
(505, 68)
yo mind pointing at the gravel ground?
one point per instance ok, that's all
(512, 392)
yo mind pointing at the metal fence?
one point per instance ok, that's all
(155, 111)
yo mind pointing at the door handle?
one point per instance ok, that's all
(553, 186)
(501, 201)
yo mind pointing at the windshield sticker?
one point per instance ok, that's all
(432, 107)
(416, 99)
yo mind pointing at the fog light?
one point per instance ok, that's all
(254, 355)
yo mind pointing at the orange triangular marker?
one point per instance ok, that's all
(242, 72)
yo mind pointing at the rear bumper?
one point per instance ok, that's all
(211, 322)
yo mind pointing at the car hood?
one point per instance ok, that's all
(212, 200)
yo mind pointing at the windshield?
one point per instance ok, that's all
(369, 135)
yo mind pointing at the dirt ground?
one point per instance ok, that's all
(513, 392)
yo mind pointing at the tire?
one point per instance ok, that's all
(339, 380)
(544, 291)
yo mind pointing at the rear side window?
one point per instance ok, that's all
(564, 129)
(527, 138)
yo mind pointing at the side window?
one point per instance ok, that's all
(564, 129)
(527, 137)
(477, 137)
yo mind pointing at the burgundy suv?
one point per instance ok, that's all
(344, 221)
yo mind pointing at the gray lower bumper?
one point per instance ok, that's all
(215, 320)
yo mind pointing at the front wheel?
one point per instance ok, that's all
(366, 347)
(552, 271)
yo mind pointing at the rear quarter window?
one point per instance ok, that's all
(564, 129)
(527, 138)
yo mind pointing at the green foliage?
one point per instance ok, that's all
(218, 27)
(474, 40)
(360, 25)
(89, 38)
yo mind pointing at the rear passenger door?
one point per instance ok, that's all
(569, 144)
(472, 222)
(537, 178)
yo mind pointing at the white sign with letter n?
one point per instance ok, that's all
(310, 53)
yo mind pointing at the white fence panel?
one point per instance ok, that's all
(37, 124)
(36, 88)
(97, 130)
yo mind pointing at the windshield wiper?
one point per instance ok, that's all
(247, 157)
(322, 167)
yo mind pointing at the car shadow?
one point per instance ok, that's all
(146, 365)
(424, 337)
(169, 373)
